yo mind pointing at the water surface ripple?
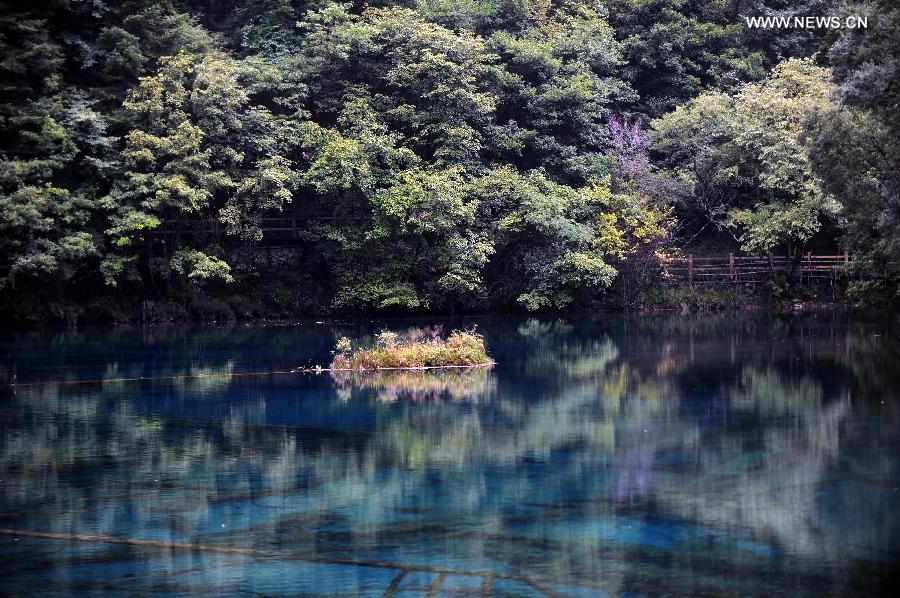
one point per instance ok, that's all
(718, 455)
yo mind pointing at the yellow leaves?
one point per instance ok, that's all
(512, 223)
(161, 94)
(341, 165)
(187, 139)
(600, 192)
(142, 147)
(149, 150)
(625, 221)
(137, 156)
(177, 191)
(610, 239)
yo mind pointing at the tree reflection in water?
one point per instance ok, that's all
(744, 454)
(464, 384)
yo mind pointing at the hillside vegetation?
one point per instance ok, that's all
(429, 155)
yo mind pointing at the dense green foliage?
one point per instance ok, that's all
(427, 154)
(744, 158)
(856, 149)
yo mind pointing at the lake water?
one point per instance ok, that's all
(720, 455)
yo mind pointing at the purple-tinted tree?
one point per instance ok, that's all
(630, 147)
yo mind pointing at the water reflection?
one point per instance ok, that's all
(714, 455)
(469, 384)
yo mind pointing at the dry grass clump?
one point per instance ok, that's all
(416, 349)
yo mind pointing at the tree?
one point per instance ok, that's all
(457, 167)
(746, 159)
(556, 244)
(557, 80)
(201, 155)
(54, 152)
(674, 50)
(856, 152)
(431, 155)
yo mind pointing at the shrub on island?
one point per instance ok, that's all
(415, 349)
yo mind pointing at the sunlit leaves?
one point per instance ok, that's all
(746, 157)
(200, 267)
(199, 147)
(557, 243)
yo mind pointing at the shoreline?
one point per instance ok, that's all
(693, 310)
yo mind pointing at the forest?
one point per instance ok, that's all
(173, 160)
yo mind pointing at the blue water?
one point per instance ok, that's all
(719, 455)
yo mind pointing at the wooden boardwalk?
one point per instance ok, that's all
(283, 230)
(688, 269)
(732, 269)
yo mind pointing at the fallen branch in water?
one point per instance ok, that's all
(317, 369)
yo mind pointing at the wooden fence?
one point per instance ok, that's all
(278, 230)
(689, 269)
(732, 269)
(275, 226)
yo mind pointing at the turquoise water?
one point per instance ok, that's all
(724, 455)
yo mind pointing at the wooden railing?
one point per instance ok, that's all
(732, 269)
(688, 269)
(276, 229)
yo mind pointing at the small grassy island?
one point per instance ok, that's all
(412, 350)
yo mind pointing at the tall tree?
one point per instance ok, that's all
(856, 147)
(745, 158)
(202, 157)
